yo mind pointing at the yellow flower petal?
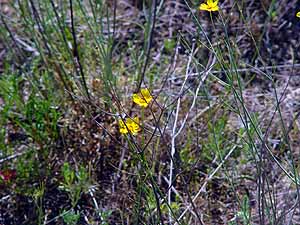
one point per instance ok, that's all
(203, 6)
(210, 6)
(136, 120)
(123, 128)
(133, 125)
(216, 8)
(146, 95)
(130, 125)
(138, 100)
(145, 92)
(214, 4)
(143, 98)
(298, 14)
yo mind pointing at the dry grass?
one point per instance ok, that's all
(219, 142)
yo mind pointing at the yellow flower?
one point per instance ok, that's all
(123, 128)
(130, 125)
(210, 5)
(298, 14)
(143, 98)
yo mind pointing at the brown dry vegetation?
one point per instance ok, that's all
(233, 159)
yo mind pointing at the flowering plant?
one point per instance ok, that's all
(143, 98)
(210, 5)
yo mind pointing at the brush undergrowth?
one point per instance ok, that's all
(201, 154)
